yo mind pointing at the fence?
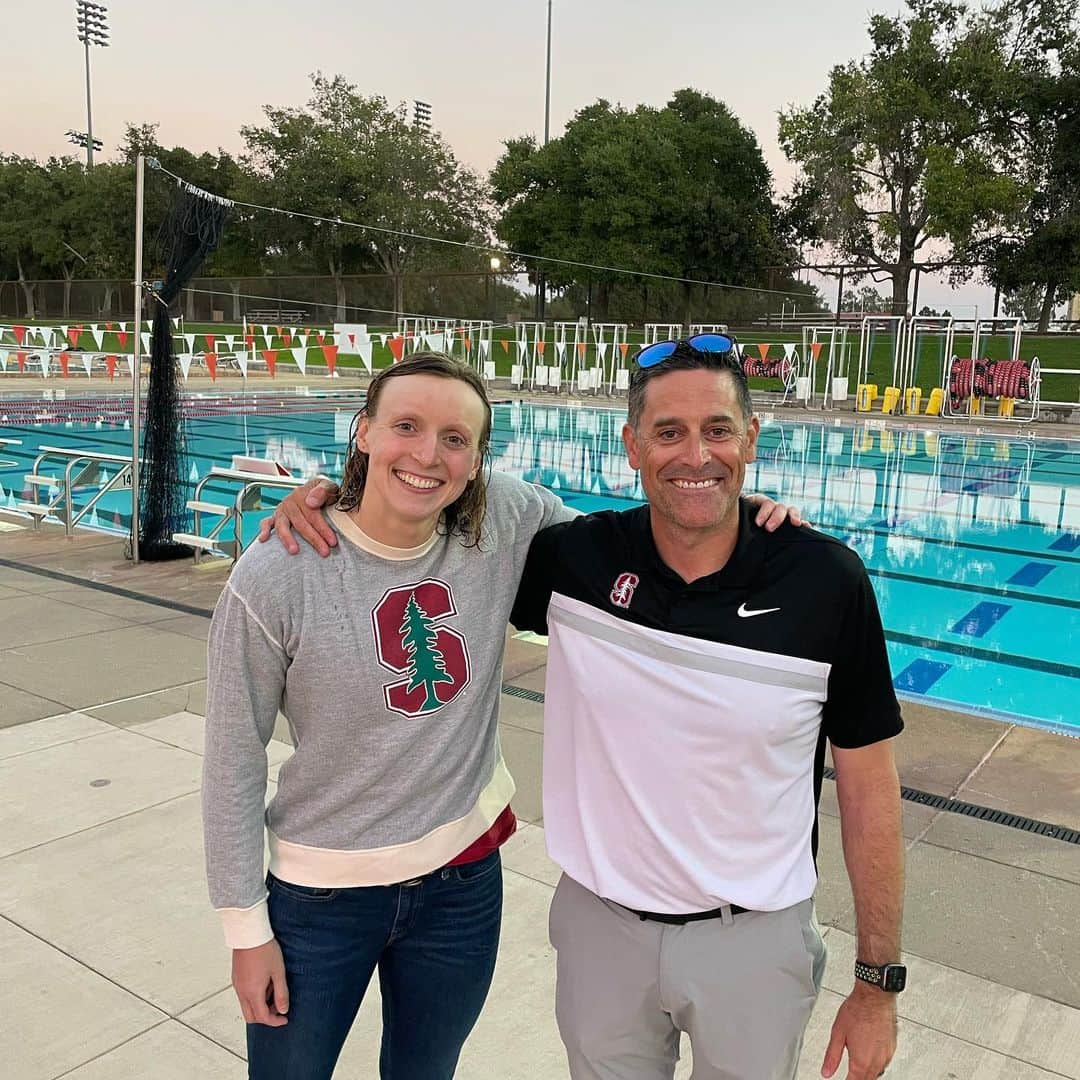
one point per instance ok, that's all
(379, 299)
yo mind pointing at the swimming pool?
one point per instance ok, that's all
(972, 543)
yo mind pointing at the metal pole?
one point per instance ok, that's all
(915, 296)
(547, 83)
(541, 277)
(840, 296)
(136, 407)
(89, 120)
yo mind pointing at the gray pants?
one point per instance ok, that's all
(742, 990)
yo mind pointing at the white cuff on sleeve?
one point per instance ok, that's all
(246, 928)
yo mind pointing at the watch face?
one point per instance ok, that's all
(895, 978)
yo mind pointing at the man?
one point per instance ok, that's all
(696, 667)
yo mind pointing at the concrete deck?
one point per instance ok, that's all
(114, 964)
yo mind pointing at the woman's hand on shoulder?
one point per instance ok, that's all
(772, 514)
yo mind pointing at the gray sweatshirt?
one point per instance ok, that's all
(388, 666)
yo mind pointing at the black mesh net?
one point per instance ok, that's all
(190, 232)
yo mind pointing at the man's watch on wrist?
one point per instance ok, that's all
(892, 978)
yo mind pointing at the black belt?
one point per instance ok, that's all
(694, 916)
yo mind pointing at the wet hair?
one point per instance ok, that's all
(465, 515)
(687, 358)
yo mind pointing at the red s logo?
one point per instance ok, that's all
(411, 641)
(622, 592)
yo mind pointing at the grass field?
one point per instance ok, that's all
(1053, 350)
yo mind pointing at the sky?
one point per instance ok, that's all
(204, 68)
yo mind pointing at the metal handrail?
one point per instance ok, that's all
(288, 482)
(250, 483)
(63, 497)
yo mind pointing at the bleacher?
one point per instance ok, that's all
(278, 316)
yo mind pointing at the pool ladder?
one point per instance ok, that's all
(91, 467)
(248, 497)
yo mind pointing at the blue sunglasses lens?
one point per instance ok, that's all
(655, 354)
(711, 343)
(658, 352)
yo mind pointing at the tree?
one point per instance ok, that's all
(1023, 303)
(866, 299)
(69, 221)
(682, 191)
(347, 157)
(27, 218)
(1035, 259)
(900, 156)
(426, 663)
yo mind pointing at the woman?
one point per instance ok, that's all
(385, 829)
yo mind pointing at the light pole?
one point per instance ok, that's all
(541, 281)
(92, 30)
(547, 82)
(496, 263)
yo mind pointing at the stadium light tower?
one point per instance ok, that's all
(92, 30)
(79, 138)
(422, 115)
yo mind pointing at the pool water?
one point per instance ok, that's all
(972, 543)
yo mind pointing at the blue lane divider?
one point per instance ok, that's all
(980, 619)
(920, 675)
(1069, 541)
(1030, 574)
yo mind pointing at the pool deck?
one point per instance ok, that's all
(114, 962)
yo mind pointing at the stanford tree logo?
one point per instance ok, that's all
(412, 641)
(426, 662)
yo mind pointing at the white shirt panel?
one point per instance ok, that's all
(689, 783)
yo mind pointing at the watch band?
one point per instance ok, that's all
(868, 973)
(891, 978)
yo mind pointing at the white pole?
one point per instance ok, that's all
(136, 368)
(547, 81)
(89, 115)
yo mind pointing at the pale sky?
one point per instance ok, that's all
(203, 68)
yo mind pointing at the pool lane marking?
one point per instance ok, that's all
(981, 619)
(1068, 541)
(920, 675)
(1031, 573)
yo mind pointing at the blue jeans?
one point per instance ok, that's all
(433, 940)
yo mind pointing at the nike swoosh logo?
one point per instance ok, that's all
(746, 613)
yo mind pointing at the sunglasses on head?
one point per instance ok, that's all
(659, 351)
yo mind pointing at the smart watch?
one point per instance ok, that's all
(892, 978)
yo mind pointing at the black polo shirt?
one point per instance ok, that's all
(685, 723)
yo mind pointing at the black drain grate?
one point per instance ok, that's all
(914, 795)
(984, 813)
(521, 692)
